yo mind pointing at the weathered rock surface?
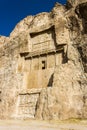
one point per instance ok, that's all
(43, 65)
(67, 98)
(3, 39)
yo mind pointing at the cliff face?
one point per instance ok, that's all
(59, 90)
(3, 39)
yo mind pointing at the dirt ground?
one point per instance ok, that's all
(41, 125)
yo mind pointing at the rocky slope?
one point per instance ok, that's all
(3, 39)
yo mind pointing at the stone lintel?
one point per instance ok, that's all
(30, 91)
(42, 53)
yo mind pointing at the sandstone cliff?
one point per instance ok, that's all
(3, 39)
(65, 95)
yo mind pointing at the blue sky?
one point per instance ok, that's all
(12, 11)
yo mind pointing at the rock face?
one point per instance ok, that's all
(43, 65)
(3, 39)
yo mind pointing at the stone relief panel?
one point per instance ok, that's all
(44, 40)
(27, 105)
